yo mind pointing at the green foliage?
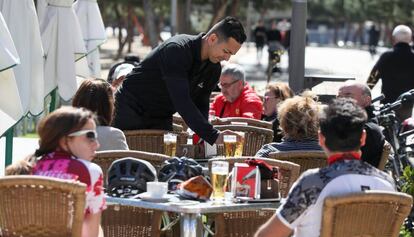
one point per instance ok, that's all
(407, 187)
(408, 178)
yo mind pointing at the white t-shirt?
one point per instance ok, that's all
(302, 210)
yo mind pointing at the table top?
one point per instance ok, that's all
(193, 207)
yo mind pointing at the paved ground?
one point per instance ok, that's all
(318, 60)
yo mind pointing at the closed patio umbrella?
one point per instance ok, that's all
(10, 106)
(26, 37)
(93, 32)
(63, 45)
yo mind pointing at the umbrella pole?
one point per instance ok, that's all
(9, 146)
(52, 101)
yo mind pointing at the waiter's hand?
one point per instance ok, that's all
(220, 138)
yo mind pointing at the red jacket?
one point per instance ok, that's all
(247, 105)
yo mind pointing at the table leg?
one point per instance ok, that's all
(191, 225)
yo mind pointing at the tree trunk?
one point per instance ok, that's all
(150, 23)
(121, 43)
(183, 17)
(219, 11)
(234, 8)
(130, 28)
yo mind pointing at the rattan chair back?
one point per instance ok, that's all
(33, 206)
(306, 159)
(254, 137)
(151, 140)
(177, 128)
(371, 213)
(105, 158)
(289, 171)
(119, 220)
(213, 95)
(386, 150)
(249, 121)
(177, 119)
(242, 223)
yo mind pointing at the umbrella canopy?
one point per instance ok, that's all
(26, 37)
(10, 106)
(93, 31)
(63, 45)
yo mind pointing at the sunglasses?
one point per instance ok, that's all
(266, 97)
(90, 134)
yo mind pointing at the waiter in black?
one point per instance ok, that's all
(178, 76)
(396, 70)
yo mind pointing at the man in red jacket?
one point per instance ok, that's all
(237, 98)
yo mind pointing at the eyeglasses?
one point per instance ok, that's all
(266, 97)
(226, 85)
(90, 134)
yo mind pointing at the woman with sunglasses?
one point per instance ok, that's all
(276, 93)
(97, 96)
(67, 145)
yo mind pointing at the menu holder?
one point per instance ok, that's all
(246, 182)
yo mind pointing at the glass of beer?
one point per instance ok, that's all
(219, 172)
(170, 144)
(239, 145)
(230, 143)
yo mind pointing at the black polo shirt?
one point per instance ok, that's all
(172, 78)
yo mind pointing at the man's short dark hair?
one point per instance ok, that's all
(342, 123)
(229, 27)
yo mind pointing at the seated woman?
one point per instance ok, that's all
(67, 145)
(97, 96)
(298, 118)
(276, 93)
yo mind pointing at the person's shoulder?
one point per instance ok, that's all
(251, 95)
(181, 40)
(92, 167)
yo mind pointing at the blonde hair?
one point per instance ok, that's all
(298, 117)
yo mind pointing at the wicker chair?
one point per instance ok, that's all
(119, 220)
(41, 206)
(105, 158)
(249, 121)
(254, 137)
(386, 150)
(151, 140)
(177, 128)
(372, 213)
(177, 119)
(245, 223)
(306, 159)
(213, 95)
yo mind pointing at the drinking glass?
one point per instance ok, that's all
(230, 143)
(219, 172)
(170, 144)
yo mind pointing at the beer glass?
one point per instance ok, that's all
(170, 144)
(230, 143)
(219, 172)
(239, 145)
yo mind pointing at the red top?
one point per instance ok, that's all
(247, 105)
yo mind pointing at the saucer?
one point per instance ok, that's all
(146, 197)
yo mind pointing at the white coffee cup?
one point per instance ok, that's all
(157, 189)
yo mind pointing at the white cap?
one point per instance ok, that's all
(402, 33)
(122, 70)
